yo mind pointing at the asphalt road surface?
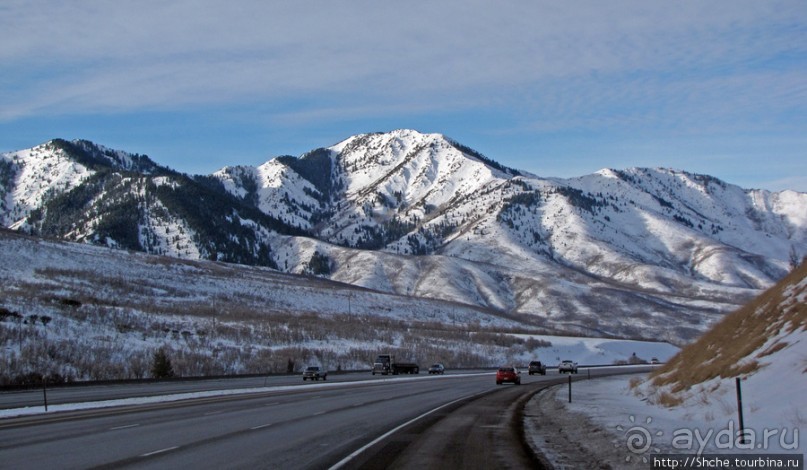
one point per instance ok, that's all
(451, 421)
(85, 393)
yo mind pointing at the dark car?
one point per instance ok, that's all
(508, 374)
(437, 369)
(314, 373)
(537, 367)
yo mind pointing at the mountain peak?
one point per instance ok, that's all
(94, 156)
(404, 140)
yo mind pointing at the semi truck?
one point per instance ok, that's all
(385, 364)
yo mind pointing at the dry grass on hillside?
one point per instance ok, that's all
(727, 349)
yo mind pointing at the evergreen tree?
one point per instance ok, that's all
(161, 367)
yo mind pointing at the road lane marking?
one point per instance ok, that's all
(318, 413)
(262, 426)
(212, 413)
(124, 427)
(149, 454)
(358, 452)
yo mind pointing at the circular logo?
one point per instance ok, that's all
(638, 439)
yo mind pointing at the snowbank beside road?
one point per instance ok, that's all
(608, 421)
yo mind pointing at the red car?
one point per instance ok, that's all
(508, 374)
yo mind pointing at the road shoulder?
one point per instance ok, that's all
(568, 439)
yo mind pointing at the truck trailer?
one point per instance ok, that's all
(385, 364)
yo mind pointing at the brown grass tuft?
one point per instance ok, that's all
(669, 400)
(774, 348)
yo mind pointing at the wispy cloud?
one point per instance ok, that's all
(518, 68)
(88, 56)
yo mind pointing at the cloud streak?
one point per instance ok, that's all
(540, 67)
(117, 55)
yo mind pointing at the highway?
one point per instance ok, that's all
(460, 420)
(85, 393)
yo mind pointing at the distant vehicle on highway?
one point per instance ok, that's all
(567, 366)
(537, 367)
(654, 360)
(385, 364)
(314, 373)
(437, 369)
(508, 374)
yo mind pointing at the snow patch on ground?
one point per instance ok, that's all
(607, 418)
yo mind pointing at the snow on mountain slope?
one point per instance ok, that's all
(693, 224)
(96, 195)
(420, 170)
(686, 241)
(272, 187)
(30, 178)
(30, 175)
(371, 188)
(620, 252)
(413, 193)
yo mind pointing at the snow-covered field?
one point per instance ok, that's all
(79, 312)
(600, 351)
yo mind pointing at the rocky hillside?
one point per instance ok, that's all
(654, 253)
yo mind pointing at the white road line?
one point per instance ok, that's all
(262, 426)
(212, 413)
(159, 451)
(318, 413)
(124, 427)
(358, 452)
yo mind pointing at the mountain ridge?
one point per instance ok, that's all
(667, 249)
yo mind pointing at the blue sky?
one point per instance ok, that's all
(554, 88)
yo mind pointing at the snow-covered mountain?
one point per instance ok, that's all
(81, 191)
(654, 253)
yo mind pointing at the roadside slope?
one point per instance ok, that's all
(764, 343)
